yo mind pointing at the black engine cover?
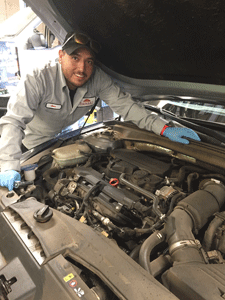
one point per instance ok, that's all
(142, 161)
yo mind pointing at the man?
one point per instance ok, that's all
(56, 96)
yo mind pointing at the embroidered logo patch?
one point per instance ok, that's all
(87, 102)
(53, 106)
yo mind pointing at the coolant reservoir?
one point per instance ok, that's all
(71, 155)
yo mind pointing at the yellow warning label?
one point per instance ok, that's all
(104, 233)
(82, 219)
(68, 277)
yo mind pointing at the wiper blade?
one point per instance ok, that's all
(208, 124)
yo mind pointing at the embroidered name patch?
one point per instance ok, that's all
(87, 102)
(53, 106)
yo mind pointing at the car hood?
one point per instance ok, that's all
(153, 47)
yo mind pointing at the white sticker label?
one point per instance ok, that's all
(79, 292)
(53, 106)
(87, 102)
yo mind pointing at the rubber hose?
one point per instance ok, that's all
(135, 252)
(47, 175)
(190, 178)
(160, 265)
(149, 244)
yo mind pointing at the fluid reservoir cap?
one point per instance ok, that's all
(43, 214)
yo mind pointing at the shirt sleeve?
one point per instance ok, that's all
(123, 104)
(20, 111)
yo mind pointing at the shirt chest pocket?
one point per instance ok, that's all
(52, 113)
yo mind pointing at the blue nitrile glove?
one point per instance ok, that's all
(8, 178)
(176, 133)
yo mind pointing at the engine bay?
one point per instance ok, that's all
(164, 211)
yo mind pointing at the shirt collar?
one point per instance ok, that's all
(62, 78)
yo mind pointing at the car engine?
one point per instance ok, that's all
(162, 208)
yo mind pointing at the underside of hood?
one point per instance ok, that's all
(147, 39)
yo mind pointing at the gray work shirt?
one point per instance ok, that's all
(41, 108)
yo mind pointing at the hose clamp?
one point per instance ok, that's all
(184, 244)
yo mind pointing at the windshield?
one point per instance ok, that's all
(196, 110)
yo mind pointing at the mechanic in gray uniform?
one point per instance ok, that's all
(50, 99)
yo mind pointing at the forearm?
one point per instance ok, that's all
(145, 119)
(124, 105)
(20, 111)
(10, 147)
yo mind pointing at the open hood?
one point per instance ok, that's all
(164, 40)
(111, 211)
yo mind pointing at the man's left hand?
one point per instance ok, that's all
(176, 134)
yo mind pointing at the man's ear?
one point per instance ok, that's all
(61, 54)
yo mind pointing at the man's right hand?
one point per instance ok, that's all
(8, 178)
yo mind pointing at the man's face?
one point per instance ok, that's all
(77, 67)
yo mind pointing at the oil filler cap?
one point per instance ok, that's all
(43, 214)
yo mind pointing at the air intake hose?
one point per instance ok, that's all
(191, 214)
